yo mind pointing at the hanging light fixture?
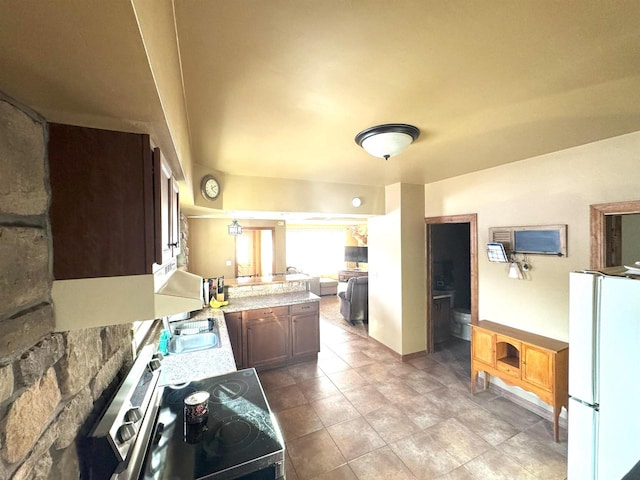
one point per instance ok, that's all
(387, 140)
(235, 228)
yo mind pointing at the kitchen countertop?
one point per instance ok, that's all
(266, 301)
(266, 280)
(185, 367)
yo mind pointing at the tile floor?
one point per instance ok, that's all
(359, 413)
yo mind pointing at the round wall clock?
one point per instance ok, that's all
(210, 187)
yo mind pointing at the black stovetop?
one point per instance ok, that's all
(239, 436)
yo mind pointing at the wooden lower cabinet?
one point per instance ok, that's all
(272, 337)
(267, 341)
(535, 363)
(305, 335)
(234, 327)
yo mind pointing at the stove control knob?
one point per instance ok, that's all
(133, 415)
(126, 432)
(154, 364)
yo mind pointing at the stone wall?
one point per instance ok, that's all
(53, 386)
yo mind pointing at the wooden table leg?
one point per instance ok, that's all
(556, 423)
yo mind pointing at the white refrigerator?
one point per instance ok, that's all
(604, 374)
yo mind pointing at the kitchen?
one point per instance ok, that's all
(81, 365)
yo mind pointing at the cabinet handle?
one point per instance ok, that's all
(173, 244)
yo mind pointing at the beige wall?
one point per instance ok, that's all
(397, 271)
(283, 195)
(550, 189)
(210, 245)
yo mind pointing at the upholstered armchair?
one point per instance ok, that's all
(354, 302)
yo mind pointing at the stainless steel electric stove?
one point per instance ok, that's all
(239, 438)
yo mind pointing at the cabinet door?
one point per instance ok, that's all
(441, 312)
(537, 367)
(101, 200)
(305, 334)
(482, 346)
(267, 341)
(234, 327)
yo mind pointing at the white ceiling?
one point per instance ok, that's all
(279, 88)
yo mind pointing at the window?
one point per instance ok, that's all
(316, 250)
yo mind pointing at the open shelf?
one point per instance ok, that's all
(508, 358)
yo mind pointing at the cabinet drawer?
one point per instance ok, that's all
(233, 316)
(311, 307)
(265, 313)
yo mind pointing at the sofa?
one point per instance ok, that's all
(354, 301)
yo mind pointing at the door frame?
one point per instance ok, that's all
(600, 240)
(472, 220)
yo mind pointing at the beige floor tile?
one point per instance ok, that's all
(343, 472)
(299, 421)
(494, 465)
(276, 378)
(460, 473)
(421, 412)
(285, 397)
(397, 391)
(543, 432)
(421, 385)
(449, 401)
(518, 416)
(459, 441)
(375, 373)
(537, 457)
(332, 365)
(289, 470)
(356, 359)
(365, 398)
(347, 379)
(317, 388)
(424, 457)
(443, 374)
(355, 438)
(381, 464)
(401, 369)
(305, 371)
(314, 454)
(423, 362)
(485, 424)
(334, 409)
(391, 423)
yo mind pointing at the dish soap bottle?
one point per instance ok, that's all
(163, 344)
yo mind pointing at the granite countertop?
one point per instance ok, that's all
(266, 301)
(190, 366)
(266, 280)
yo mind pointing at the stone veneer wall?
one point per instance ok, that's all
(53, 386)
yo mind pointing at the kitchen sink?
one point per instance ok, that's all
(187, 338)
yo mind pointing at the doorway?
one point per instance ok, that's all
(255, 252)
(450, 269)
(615, 233)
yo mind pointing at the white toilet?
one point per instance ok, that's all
(460, 323)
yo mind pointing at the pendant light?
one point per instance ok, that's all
(234, 228)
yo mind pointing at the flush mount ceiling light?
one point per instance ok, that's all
(356, 202)
(387, 140)
(235, 228)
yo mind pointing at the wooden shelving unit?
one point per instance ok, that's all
(535, 363)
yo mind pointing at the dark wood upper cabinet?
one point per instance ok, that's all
(105, 203)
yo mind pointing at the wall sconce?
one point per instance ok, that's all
(234, 228)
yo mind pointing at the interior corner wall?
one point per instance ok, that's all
(385, 273)
(397, 271)
(413, 244)
(556, 188)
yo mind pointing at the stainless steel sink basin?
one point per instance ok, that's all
(188, 339)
